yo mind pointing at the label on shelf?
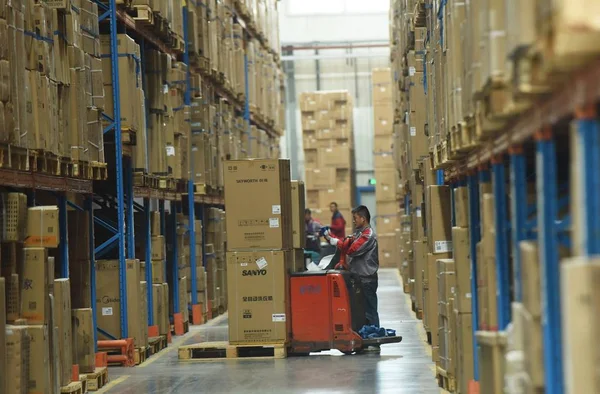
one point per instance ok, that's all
(107, 311)
(442, 246)
(278, 317)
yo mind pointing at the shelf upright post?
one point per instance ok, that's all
(64, 235)
(163, 226)
(130, 225)
(89, 209)
(588, 139)
(518, 211)
(502, 264)
(114, 59)
(175, 257)
(191, 204)
(148, 253)
(202, 215)
(549, 260)
(474, 237)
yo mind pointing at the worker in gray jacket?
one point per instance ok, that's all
(363, 258)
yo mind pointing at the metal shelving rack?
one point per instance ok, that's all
(126, 192)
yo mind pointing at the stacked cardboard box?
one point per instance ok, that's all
(55, 84)
(328, 152)
(259, 249)
(387, 189)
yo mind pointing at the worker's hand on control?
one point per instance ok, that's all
(326, 233)
(333, 241)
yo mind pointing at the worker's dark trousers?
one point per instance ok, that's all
(370, 292)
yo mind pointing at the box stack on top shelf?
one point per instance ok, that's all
(40, 343)
(388, 188)
(327, 124)
(260, 249)
(54, 84)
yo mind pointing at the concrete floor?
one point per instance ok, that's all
(400, 369)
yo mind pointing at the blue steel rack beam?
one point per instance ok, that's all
(518, 211)
(549, 260)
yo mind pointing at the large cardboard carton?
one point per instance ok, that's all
(264, 219)
(158, 271)
(387, 184)
(158, 247)
(431, 295)
(3, 377)
(35, 289)
(17, 359)
(420, 258)
(462, 261)
(13, 299)
(42, 227)
(62, 306)
(336, 157)
(531, 278)
(83, 337)
(461, 206)
(298, 207)
(464, 351)
(39, 373)
(580, 301)
(388, 250)
(160, 293)
(387, 224)
(108, 312)
(320, 178)
(439, 213)
(258, 293)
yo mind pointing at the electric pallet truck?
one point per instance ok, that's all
(327, 311)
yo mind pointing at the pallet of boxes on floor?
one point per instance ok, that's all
(46, 320)
(327, 134)
(262, 251)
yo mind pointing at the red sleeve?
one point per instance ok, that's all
(351, 246)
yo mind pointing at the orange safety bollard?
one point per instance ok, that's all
(473, 387)
(153, 332)
(178, 324)
(197, 316)
(101, 360)
(75, 373)
(169, 337)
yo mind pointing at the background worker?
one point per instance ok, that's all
(363, 258)
(313, 244)
(338, 223)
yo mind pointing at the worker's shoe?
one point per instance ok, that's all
(375, 349)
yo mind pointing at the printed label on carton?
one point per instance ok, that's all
(442, 246)
(261, 263)
(276, 210)
(107, 311)
(418, 212)
(279, 317)
(170, 151)
(274, 222)
(413, 131)
(412, 71)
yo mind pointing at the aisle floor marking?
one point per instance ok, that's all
(113, 383)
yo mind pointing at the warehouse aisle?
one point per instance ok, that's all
(401, 368)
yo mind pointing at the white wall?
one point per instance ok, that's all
(303, 21)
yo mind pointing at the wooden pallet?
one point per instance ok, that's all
(99, 171)
(140, 354)
(143, 14)
(223, 350)
(157, 344)
(176, 42)
(96, 380)
(15, 158)
(445, 380)
(66, 166)
(46, 162)
(72, 388)
(128, 136)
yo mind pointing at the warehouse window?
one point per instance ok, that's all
(315, 7)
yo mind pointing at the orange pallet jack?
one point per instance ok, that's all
(327, 311)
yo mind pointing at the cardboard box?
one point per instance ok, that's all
(158, 247)
(336, 157)
(14, 224)
(431, 295)
(446, 282)
(580, 300)
(42, 227)
(298, 207)
(108, 312)
(387, 184)
(158, 272)
(17, 359)
(258, 296)
(388, 250)
(464, 351)
(3, 377)
(461, 206)
(79, 234)
(387, 224)
(420, 259)
(439, 213)
(83, 337)
(62, 308)
(531, 278)
(299, 264)
(320, 178)
(462, 261)
(39, 373)
(387, 208)
(264, 221)
(34, 292)
(13, 298)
